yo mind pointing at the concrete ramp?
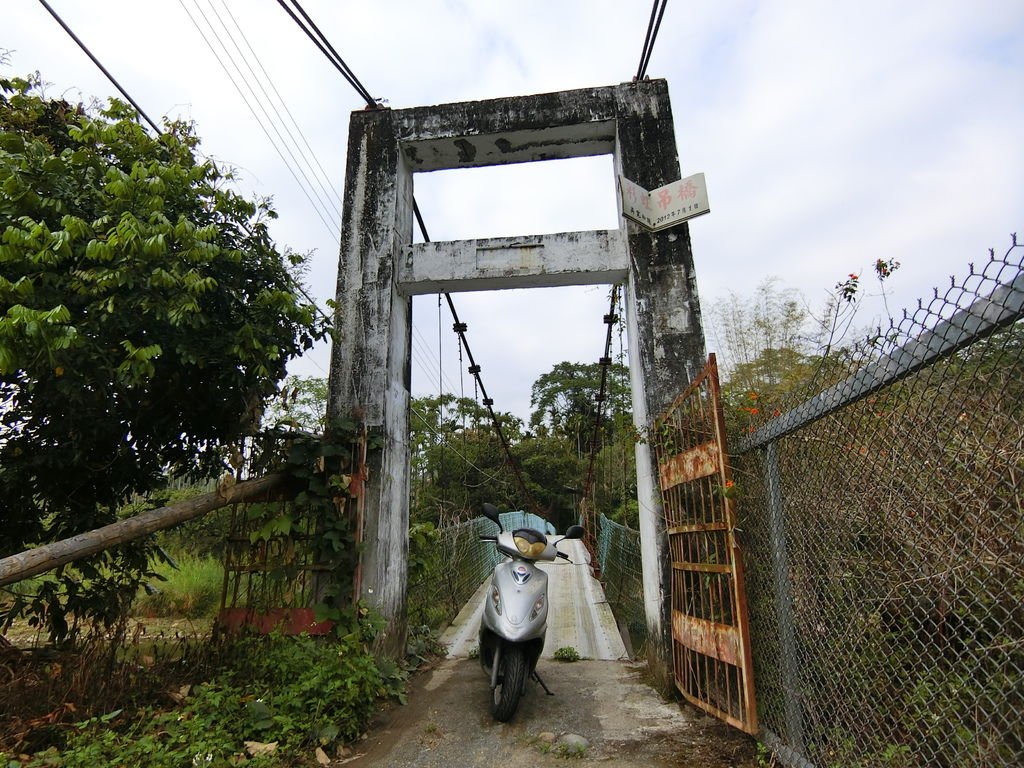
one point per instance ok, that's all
(578, 613)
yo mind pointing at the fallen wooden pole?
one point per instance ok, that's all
(49, 556)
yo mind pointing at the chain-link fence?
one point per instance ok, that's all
(445, 568)
(618, 553)
(883, 523)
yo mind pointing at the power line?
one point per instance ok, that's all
(102, 69)
(333, 226)
(652, 34)
(331, 203)
(323, 173)
(325, 207)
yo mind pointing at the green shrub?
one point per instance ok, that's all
(567, 653)
(300, 692)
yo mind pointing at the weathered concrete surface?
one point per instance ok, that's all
(578, 616)
(447, 724)
(535, 261)
(370, 378)
(520, 129)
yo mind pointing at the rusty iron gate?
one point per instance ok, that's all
(710, 631)
(273, 574)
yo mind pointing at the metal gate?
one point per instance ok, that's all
(710, 632)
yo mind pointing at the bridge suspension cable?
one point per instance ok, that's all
(110, 77)
(657, 11)
(320, 40)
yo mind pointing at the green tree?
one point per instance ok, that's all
(761, 337)
(457, 460)
(301, 404)
(145, 315)
(564, 401)
(565, 407)
(553, 473)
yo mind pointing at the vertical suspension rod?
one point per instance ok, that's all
(588, 486)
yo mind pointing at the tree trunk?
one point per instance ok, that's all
(50, 556)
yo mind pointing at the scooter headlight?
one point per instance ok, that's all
(496, 599)
(537, 608)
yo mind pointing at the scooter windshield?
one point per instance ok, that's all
(529, 542)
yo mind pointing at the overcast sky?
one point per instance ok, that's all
(831, 135)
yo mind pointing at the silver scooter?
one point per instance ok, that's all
(516, 612)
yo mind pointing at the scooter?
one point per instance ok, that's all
(515, 616)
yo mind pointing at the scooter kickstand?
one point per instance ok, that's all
(537, 678)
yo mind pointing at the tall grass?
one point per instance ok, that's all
(191, 591)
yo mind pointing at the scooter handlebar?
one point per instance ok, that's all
(489, 538)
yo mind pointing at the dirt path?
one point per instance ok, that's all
(446, 723)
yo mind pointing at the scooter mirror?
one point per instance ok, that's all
(491, 512)
(574, 532)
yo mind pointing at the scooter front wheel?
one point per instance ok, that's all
(511, 682)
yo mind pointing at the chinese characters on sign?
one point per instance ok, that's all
(664, 206)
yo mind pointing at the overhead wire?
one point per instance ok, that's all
(322, 178)
(326, 205)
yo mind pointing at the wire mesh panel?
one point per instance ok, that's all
(884, 525)
(711, 645)
(455, 564)
(618, 552)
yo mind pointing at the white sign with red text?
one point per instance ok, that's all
(664, 206)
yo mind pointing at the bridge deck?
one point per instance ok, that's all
(578, 615)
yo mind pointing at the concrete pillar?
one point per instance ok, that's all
(370, 362)
(666, 337)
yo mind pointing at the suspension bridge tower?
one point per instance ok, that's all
(380, 270)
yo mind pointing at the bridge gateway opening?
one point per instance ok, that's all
(517, 334)
(381, 269)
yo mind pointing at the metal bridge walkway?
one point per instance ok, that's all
(578, 614)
